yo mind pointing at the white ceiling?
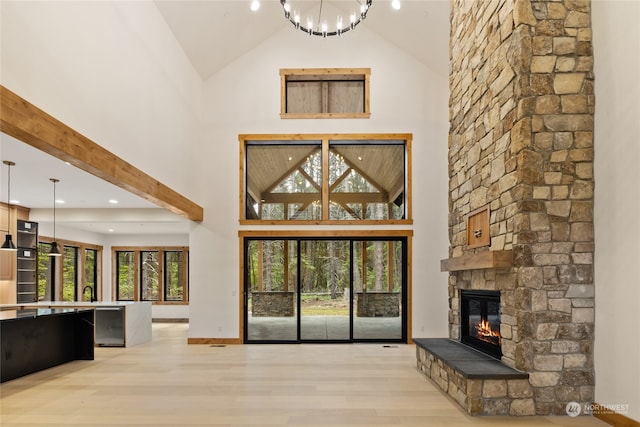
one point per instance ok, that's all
(86, 198)
(212, 33)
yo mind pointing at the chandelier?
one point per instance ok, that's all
(319, 26)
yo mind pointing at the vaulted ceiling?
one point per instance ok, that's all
(230, 29)
(214, 33)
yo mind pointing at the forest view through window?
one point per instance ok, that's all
(334, 179)
(313, 290)
(157, 274)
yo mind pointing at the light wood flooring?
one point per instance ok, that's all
(169, 383)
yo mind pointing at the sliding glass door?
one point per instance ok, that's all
(271, 308)
(325, 290)
(378, 283)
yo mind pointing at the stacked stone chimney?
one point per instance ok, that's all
(521, 141)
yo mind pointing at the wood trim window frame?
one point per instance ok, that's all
(292, 234)
(325, 75)
(81, 246)
(326, 140)
(137, 250)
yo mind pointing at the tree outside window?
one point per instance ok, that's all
(157, 274)
(70, 273)
(173, 276)
(46, 272)
(327, 178)
(125, 275)
(149, 279)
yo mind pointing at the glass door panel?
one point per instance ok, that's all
(324, 290)
(378, 290)
(271, 297)
(308, 290)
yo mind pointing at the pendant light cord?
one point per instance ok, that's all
(54, 211)
(9, 164)
(9, 198)
(54, 180)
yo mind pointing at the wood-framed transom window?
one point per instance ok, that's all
(325, 179)
(325, 93)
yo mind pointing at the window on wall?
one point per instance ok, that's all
(90, 273)
(70, 273)
(149, 276)
(174, 275)
(326, 178)
(125, 275)
(367, 181)
(64, 278)
(157, 274)
(325, 93)
(46, 272)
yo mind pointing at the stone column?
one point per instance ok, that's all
(521, 140)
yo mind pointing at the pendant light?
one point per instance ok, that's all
(54, 245)
(8, 239)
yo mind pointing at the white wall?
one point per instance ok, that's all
(112, 71)
(244, 97)
(616, 38)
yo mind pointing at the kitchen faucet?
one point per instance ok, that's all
(93, 298)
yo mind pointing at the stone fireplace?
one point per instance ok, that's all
(521, 142)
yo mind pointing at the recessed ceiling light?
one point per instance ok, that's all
(255, 5)
(111, 230)
(14, 202)
(60, 202)
(113, 201)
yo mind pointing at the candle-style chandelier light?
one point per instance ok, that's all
(319, 24)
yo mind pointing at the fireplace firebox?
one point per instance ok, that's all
(480, 321)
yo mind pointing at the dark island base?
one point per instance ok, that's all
(33, 340)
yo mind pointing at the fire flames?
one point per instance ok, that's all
(485, 333)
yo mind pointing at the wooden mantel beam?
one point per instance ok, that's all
(26, 122)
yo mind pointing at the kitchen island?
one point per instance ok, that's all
(36, 339)
(117, 323)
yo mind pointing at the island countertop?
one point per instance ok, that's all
(117, 323)
(69, 304)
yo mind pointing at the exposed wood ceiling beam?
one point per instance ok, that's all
(26, 122)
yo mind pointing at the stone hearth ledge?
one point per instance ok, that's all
(479, 383)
